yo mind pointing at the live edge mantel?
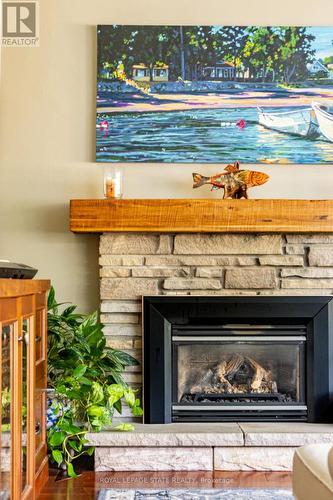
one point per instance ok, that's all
(201, 215)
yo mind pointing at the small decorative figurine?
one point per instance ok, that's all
(234, 181)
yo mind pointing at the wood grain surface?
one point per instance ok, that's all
(201, 215)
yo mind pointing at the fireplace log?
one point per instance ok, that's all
(219, 376)
(234, 364)
(260, 374)
(224, 378)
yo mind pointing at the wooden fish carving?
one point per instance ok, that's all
(234, 181)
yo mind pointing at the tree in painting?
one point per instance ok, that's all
(262, 49)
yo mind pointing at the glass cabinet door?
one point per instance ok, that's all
(5, 410)
(24, 339)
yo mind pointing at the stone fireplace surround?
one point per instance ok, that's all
(137, 264)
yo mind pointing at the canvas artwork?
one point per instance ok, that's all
(215, 94)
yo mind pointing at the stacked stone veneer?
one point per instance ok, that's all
(133, 265)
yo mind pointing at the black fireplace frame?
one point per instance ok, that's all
(161, 314)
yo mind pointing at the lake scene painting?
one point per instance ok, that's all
(214, 94)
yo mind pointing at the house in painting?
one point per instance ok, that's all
(221, 70)
(317, 67)
(142, 73)
(161, 73)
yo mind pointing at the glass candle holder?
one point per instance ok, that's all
(113, 183)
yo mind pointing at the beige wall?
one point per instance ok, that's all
(47, 136)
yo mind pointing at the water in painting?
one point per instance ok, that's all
(213, 94)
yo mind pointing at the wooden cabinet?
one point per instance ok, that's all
(23, 382)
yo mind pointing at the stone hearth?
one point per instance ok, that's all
(204, 446)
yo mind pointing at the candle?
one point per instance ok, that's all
(112, 183)
(109, 188)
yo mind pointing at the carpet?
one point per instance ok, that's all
(212, 494)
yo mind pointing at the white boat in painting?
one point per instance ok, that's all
(298, 122)
(324, 117)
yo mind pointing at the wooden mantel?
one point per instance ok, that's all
(201, 215)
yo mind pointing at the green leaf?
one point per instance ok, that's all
(85, 381)
(58, 457)
(5, 397)
(97, 425)
(79, 371)
(76, 446)
(57, 438)
(77, 352)
(97, 394)
(116, 377)
(74, 395)
(70, 470)
(94, 336)
(124, 358)
(95, 411)
(137, 411)
(115, 392)
(51, 299)
(62, 389)
(69, 428)
(95, 422)
(125, 427)
(55, 405)
(67, 312)
(129, 397)
(117, 406)
(90, 450)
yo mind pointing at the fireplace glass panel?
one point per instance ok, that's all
(239, 372)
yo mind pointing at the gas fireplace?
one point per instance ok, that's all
(239, 370)
(237, 359)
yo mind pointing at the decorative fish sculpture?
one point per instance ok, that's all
(234, 181)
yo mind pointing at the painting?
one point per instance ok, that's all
(213, 94)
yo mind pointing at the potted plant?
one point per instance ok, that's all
(85, 376)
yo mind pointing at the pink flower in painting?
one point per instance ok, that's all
(241, 123)
(104, 127)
